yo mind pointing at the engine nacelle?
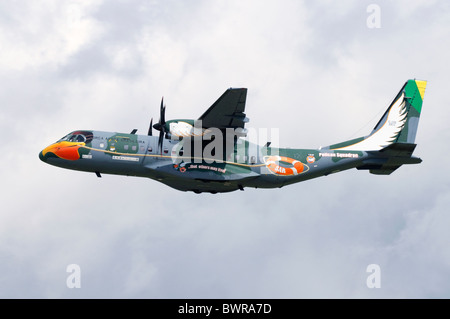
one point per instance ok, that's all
(184, 129)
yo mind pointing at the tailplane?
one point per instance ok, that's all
(387, 160)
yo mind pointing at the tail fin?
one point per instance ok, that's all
(397, 125)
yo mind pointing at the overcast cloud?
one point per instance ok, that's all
(314, 69)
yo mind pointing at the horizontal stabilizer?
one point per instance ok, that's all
(390, 158)
(399, 149)
(386, 170)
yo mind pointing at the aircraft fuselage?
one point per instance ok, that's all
(249, 165)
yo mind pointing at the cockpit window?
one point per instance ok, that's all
(78, 137)
(65, 138)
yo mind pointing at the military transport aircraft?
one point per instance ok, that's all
(213, 154)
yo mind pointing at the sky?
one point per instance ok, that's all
(321, 72)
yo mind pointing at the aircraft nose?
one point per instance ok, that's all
(42, 157)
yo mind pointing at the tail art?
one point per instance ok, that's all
(398, 124)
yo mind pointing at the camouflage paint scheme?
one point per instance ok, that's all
(386, 148)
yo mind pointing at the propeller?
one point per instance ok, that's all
(161, 125)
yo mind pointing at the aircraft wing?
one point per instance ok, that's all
(227, 111)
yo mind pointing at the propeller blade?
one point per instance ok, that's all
(150, 129)
(160, 126)
(160, 141)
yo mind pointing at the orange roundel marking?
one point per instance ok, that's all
(310, 159)
(281, 170)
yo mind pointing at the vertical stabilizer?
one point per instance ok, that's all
(397, 125)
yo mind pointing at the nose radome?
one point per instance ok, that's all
(42, 157)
